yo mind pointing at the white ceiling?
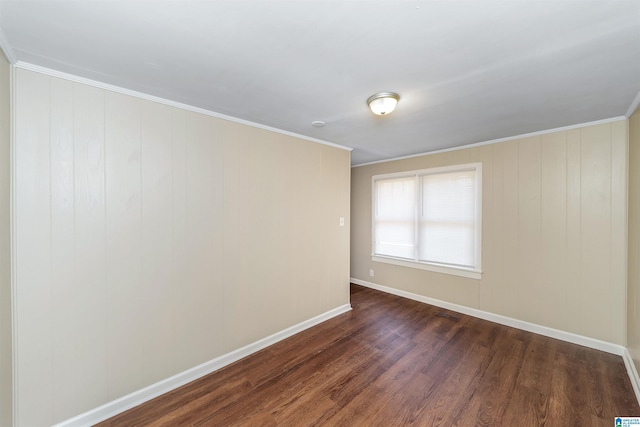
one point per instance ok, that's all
(466, 71)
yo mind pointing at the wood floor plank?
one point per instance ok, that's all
(498, 384)
(397, 362)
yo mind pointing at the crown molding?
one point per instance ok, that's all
(6, 48)
(634, 106)
(505, 139)
(113, 88)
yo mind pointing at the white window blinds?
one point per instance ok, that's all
(395, 217)
(447, 218)
(430, 217)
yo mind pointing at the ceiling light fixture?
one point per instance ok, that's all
(383, 103)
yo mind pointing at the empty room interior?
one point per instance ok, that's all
(277, 213)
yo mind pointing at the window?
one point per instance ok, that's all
(430, 219)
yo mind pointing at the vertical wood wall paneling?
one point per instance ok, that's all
(633, 291)
(360, 238)
(573, 295)
(332, 180)
(553, 252)
(90, 244)
(6, 167)
(285, 202)
(490, 235)
(179, 245)
(203, 233)
(336, 177)
(276, 207)
(262, 245)
(510, 227)
(152, 239)
(619, 229)
(235, 292)
(126, 355)
(595, 265)
(63, 255)
(216, 222)
(529, 231)
(154, 313)
(33, 232)
(492, 291)
(256, 236)
(309, 176)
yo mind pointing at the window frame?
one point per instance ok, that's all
(474, 272)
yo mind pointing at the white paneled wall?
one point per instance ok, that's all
(633, 297)
(6, 380)
(151, 239)
(554, 231)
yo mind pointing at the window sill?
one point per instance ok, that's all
(462, 272)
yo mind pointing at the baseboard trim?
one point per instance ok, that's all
(136, 398)
(503, 320)
(632, 372)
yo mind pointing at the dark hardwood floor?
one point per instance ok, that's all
(397, 362)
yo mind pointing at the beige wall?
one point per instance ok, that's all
(633, 293)
(151, 239)
(5, 249)
(554, 231)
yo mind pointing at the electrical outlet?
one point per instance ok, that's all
(341, 221)
(371, 273)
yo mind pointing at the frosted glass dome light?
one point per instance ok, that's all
(383, 103)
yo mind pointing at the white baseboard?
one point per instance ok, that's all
(632, 372)
(503, 320)
(136, 398)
